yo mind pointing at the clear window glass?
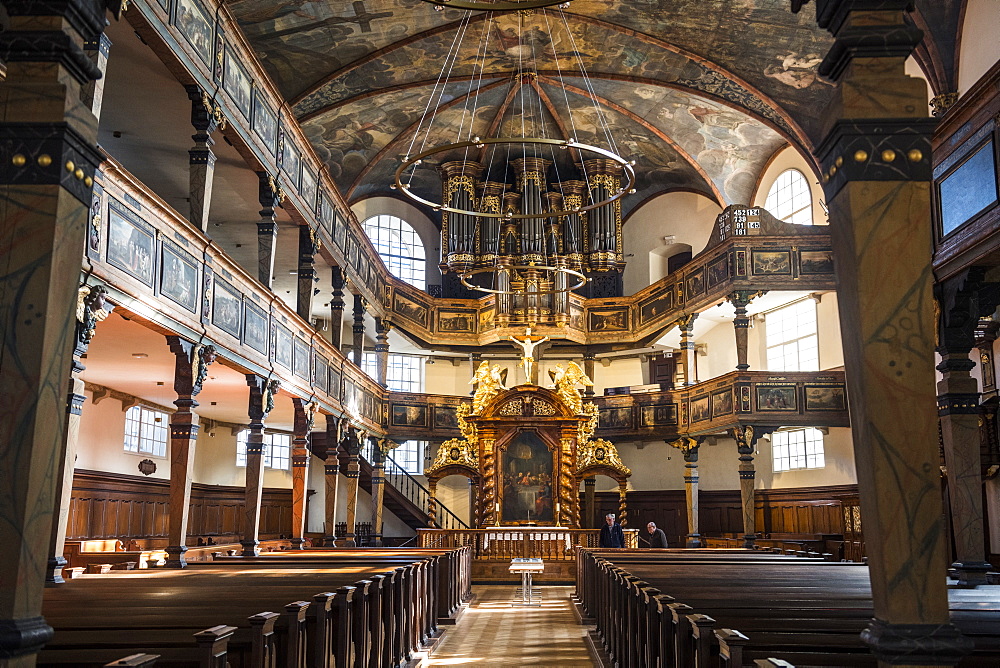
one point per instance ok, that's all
(792, 342)
(409, 457)
(146, 431)
(400, 247)
(798, 449)
(789, 198)
(277, 450)
(404, 374)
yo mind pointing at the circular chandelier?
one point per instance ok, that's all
(532, 179)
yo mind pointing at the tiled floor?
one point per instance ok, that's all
(493, 633)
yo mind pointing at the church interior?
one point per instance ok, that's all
(325, 322)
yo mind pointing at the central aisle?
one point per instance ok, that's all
(492, 633)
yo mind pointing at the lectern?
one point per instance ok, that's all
(527, 568)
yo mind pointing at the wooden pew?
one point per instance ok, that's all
(378, 621)
(663, 609)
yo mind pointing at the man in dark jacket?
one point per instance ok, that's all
(656, 536)
(611, 533)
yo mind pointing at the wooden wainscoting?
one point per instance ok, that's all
(113, 505)
(806, 511)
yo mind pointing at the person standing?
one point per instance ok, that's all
(656, 536)
(611, 533)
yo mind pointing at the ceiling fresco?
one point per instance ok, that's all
(699, 92)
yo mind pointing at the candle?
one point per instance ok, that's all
(498, 506)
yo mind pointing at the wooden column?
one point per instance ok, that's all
(309, 245)
(337, 308)
(432, 503)
(622, 508)
(262, 393)
(305, 414)
(746, 441)
(689, 447)
(382, 327)
(590, 500)
(490, 511)
(206, 117)
(475, 359)
(875, 162)
(270, 195)
(191, 362)
(382, 447)
(92, 307)
(352, 446)
(960, 306)
(741, 324)
(358, 349)
(46, 190)
(688, 361)
(589, 368)
(331, 471)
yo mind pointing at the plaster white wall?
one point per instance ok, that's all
(453, 493)
(979, 48)
(424, 226)
(688, 217)
(789, 158)
(215, 463)
(444, 377)
(102, 441)
(831, 349)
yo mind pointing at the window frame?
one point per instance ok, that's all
(775, 192)
(783, 451)
(771, 328)
(160, 425)
(393, 236)
(268, 454)
(395, 381)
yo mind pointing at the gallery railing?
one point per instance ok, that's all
(505, 543)
(414, 491)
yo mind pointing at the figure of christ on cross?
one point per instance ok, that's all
(528, 345)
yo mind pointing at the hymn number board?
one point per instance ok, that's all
(735, 222)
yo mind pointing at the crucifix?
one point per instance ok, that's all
(528, 345)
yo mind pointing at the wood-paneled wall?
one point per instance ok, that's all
(808, 510)
(112, 505)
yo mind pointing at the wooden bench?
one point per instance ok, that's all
(309, 616)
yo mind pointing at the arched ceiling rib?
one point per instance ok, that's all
(700, 92)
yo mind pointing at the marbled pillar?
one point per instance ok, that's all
(331, 475)
(45, 197)
(94, 307)
(351, 444)
(358, 329)
(270, 196)
(589, 368)
(590, 500)
(691, 495)
(746, 441)
(740, 299)
(475, 359)
(959, 413)
(875, 163)
(190, 368)
(688, 364)
(308, 247)
(303, 423)
(92, 93)
(337, 308)
(378, 493)
(382, 327)
(262, 393)
(201, 158)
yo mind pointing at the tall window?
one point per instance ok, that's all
(277, 450)
(400, 248)
(798, 449)
(789, 198)
(404, 371)
(146, 431)
(409, 456)
(792, 344)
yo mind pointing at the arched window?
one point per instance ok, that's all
(789, 198)
(400, 247)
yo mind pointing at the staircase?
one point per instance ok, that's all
(405, 496)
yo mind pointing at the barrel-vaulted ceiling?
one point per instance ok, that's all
(701, 93)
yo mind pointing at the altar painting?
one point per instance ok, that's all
(527, 480)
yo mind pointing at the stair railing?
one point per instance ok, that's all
(414, 491)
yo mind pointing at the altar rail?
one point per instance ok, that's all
(505, 543)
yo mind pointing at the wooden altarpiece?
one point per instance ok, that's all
(526, 449)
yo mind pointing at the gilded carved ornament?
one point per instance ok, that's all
(91, 308)
(566, 381)
(600, 452)
(454, 452)
(685, 444)
(489, 382)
